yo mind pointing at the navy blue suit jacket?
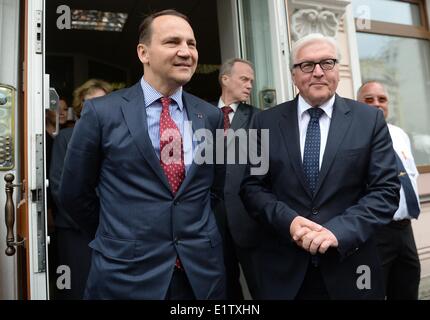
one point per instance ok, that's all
(357, 191)
(142, 227)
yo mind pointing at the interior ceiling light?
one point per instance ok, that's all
(98, 20)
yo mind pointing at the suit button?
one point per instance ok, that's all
(315, 211)
(176, 240)
(175, 203)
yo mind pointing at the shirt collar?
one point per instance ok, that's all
(234, 106)
(151, 95)
(327, 106)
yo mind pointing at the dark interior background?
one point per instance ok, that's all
(73, 56)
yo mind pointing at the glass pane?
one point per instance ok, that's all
(387, 11)
(258, 50)
(403, 65)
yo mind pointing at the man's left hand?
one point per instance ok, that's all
(318, 241)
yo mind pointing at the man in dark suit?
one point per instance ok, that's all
(237, 228)
(157, 237)
(332, 181)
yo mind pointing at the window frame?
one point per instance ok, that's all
(407, 31)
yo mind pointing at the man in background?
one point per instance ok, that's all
(395, 241)
(238, 229)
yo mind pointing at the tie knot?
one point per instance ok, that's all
(226, 109)
(315, 112)
(165, 102)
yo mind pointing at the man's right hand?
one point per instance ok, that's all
(301, 226)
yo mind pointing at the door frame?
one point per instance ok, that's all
(33, 165)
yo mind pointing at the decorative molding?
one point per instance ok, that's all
(316, 16)
(307, 21)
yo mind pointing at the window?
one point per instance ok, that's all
(394, 48)
(258, 49)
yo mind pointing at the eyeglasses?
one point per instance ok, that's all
(309, 66)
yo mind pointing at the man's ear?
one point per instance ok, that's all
(142, 53)
(224, 80)
(293, 76)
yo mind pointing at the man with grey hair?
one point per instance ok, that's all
(238, 229)
(395, 241)
(332, 182)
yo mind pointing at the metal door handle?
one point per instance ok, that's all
(10, 216)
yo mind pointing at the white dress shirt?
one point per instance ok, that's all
(402, 146)
(325, 119)
(233, 106)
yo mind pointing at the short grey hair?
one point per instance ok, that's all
(365, 83)
(227, 66)
(312, 38)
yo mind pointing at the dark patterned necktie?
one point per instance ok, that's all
(311, 154)
(410, 196)
(171, 148)
(226, 110)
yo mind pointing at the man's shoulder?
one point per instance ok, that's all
(117, 96)
(202, 105)
(250, 107)
(397, 132)
(278, 110)
(65, 133)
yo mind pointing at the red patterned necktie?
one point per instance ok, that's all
(226, 110)
(172, 165)
(171, 148)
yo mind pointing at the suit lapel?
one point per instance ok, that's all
(241, 116)
(135, 117)
(340, 122)
(289, 128)
(197, 119)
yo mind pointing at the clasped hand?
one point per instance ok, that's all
(311, 236)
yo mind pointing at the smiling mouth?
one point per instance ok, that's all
(182, 65)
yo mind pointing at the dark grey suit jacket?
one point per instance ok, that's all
(143, 227)
(243, 228)
(357, 191)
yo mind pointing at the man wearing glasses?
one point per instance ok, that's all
(331, 183)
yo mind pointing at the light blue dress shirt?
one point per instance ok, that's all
(177, 112)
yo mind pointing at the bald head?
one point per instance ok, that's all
(374, 93)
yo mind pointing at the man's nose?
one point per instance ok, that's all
(318, 71)
(184, 51)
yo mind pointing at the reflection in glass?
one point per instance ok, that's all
(387, 11)
(98, 20)
(403, 65)
(258, 47)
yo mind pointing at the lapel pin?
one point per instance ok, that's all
(402, 173)
(199, 115)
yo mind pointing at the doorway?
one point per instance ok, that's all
(76, 55)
